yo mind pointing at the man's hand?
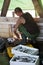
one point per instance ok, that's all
(17, 36)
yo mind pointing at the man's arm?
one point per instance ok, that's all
(21, 20)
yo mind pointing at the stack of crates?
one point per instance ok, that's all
(24, 55)
(4, 30)
(5, 26)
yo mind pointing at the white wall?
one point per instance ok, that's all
(32, 12)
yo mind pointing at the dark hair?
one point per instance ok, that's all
(18, 9)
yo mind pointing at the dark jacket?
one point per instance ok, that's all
(30, 25)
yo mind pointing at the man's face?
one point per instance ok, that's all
(18, 13)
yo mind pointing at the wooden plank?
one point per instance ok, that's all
(38, 8)
(5, 7)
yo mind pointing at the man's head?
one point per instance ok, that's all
(18, 11)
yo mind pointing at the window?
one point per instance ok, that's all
(1, 4)
(24, 4)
